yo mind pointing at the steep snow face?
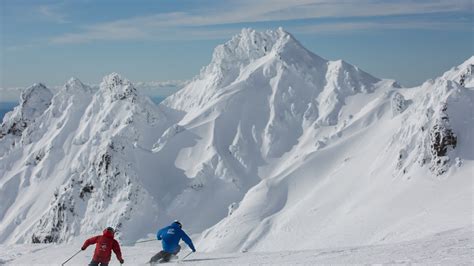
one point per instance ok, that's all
(32, 159)
(101, 185)
(228, 63)
(251, 105)
(432, 126)
(273, 89)
(77, 168)
(225, 67)
(390, 170)
(462, 74)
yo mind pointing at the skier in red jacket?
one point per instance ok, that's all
(103, 249)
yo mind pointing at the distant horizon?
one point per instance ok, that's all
(11, 94)
(142, 40)
(153, 89)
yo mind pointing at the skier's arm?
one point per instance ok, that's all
(158, 234)
(188, 241)
(90, 241)
(117, 251)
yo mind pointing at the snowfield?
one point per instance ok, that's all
(271, 155)
(454, 247)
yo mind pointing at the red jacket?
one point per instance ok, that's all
(104, 246)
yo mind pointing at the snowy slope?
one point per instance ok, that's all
(269, 148)
(259, 95)
(388, 173)
(84, 142)
(331, 145)
(453, 247)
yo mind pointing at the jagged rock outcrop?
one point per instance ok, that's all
(427, 136)
(467, 75)
(442, 138)
(399, 104)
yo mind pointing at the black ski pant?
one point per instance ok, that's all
(95, 263)
(164, 256)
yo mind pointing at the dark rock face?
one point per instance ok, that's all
(399, 104)
(15, 129)
(465, 75)
(87, 189)
(50, 228)
(442, 138)
(118, 88)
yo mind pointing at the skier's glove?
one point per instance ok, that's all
(194, 250)
(121, 261)
(83, 248)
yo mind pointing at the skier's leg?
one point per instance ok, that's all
(157, 256)
(178, 248)
(166, 257)
(104, 264)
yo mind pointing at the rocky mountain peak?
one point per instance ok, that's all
(118, 88)
(33, 102)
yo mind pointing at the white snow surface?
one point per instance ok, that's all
(452, 247)
(270, 150)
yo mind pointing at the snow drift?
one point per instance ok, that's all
(270, 147)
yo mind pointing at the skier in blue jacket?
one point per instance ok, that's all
(170, 237)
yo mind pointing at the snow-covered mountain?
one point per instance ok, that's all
(33, 102)
(74, 167)
(397, 167)
(270, 147)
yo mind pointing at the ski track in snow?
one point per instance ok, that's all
(454, 247)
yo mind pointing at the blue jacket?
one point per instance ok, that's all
(170, 237)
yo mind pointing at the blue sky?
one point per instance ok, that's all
(145, 40)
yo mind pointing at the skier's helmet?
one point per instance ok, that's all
(178, 223)
(110, 229)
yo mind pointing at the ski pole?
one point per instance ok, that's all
(143, 241)
(71, 257)
(187, 255)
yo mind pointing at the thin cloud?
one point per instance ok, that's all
(274, 10)
(362, 26)
(52, 13)
(199, 23)
(15, 48)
